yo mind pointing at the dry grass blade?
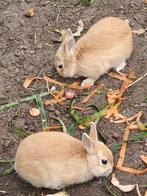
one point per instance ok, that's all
(139, 31)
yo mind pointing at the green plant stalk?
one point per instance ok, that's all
(107, 187)
(7, 171)
(93, 117)
(62, 124)
(27, 99)
(134, 138)
(19, 131)
(42, 111)
(6, 161)
(72, 128)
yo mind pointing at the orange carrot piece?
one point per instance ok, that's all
(123, 148)
(75, 85)
(28, 81)
(54, 81)
(120, 76)
(132, 171)
(122, 154)
(92, 93)
(143, 158)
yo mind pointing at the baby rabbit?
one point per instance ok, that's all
(55, 159)
(106, 45)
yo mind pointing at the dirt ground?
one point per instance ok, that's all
(28, 47)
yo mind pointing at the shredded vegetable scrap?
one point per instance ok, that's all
(123, 188)
(123, 151)
(93, 92)
(28, 81)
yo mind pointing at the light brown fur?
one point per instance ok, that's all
(55, 160)
(107, 44)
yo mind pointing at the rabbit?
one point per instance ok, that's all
(55, 159)
(107, 45)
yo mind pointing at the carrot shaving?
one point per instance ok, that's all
(74, 85)
(132, 171)
(120, 76)
(123, 151)
(126, 119)
(140, 125)
(92, 93)
(143, 158)
(82, 127)
(115, 97)
(28, 81)
(51, 127)
(78, 108)
(123, 148)
(54, 81)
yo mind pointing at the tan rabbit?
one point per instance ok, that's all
(106, 45)
(55, 159)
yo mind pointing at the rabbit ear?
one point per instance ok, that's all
(69, 42)
(93, 131)
(88, 143)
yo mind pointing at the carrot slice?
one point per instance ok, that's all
(100, 86)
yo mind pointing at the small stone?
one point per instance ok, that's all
(57, 112)
(51, 108)
(115, 136)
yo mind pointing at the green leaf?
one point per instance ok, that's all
(72, 128)
(117, 147)
(95, 117)
(134, 138)
(87, 2)
(42, 111)
(139, 136)
(104, 180)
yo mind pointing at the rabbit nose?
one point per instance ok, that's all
(60, 66)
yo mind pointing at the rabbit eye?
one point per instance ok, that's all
(104, 161)
(60, 66)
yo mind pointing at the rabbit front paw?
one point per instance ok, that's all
(87, 83)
